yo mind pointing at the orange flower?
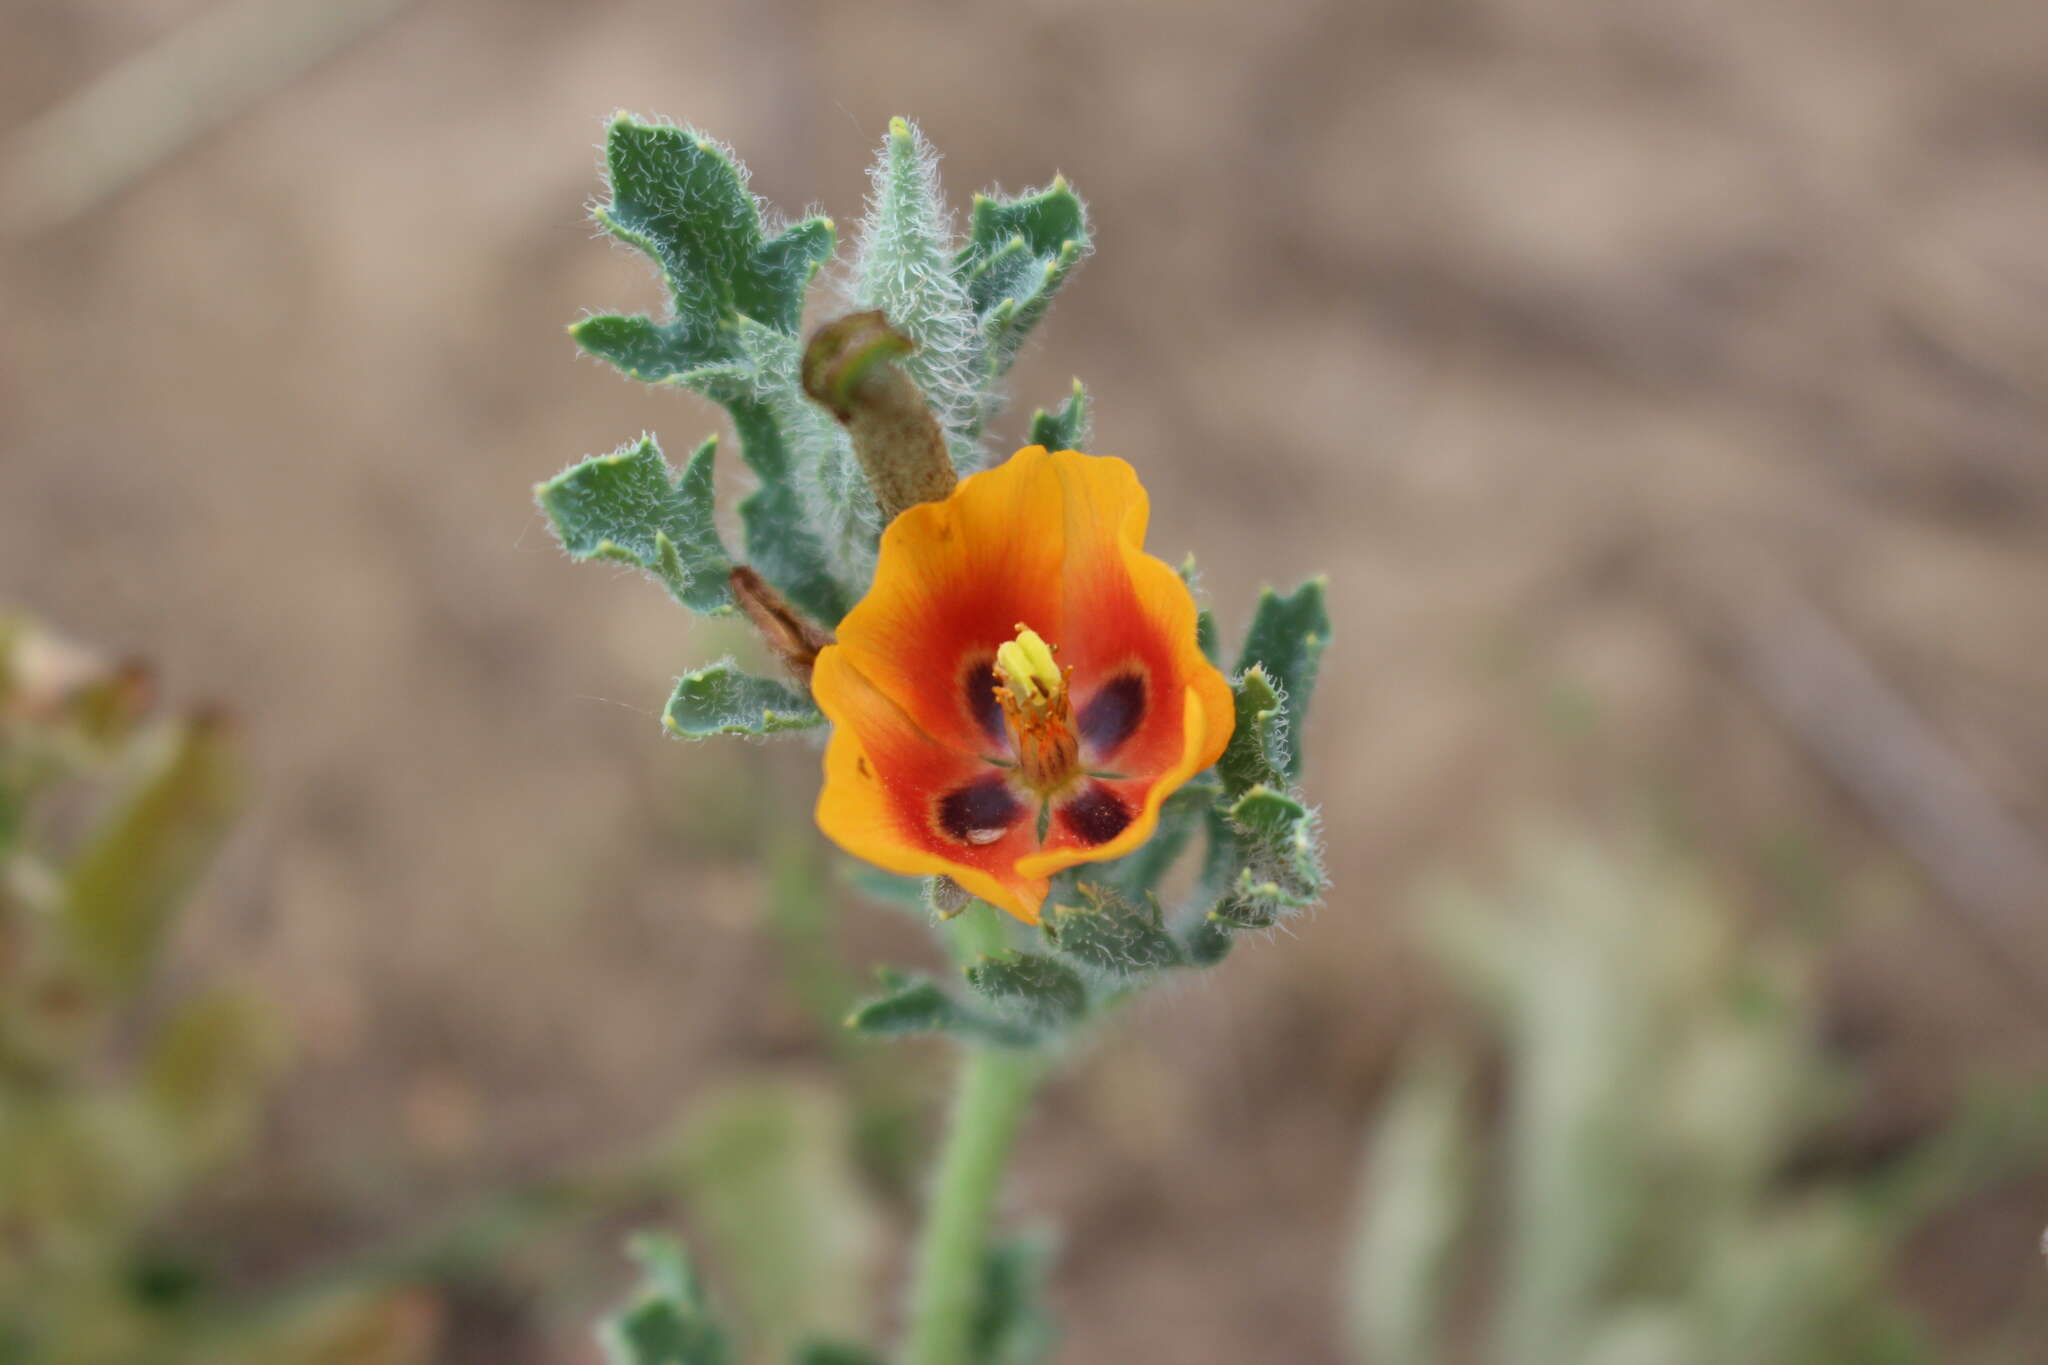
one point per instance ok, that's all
(1021, 688)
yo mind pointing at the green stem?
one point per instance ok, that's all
(994, 1092)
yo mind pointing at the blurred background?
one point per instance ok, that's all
(1662, 386)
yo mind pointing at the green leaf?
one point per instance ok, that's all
(1286, 639)
(206, 1068)
(1011, 1324)
(772, 287)
(913, 1004)
(1117, 936)
(1264, 863)
(140, 864)
(668, 1323)
(736, 300)
(780, 1208)
(1037, 990)
(1257, 752)
(1414, 1202)
(833, 1353)
(1069, 427)
(1019, 252)
(1280, 874)
(720, 700)
(1264, 859)
(639, 347)
(627, 506)
(782, 540)
(683, 199)
(903, 267)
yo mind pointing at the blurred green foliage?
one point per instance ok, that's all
(117, 1096)
(1645, 1197)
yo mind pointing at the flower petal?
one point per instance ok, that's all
(953, 581)
(903, 801)
(1128, 614)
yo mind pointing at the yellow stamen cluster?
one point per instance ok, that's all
(1027, 665)
(1033, 694)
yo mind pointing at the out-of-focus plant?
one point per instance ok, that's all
(1030, 720)
(116, 1098)
(1664, 1078)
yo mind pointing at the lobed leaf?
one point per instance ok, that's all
(720, 700)
(629, 506)
(683, 199)
(1069, 427)
(736, 300)
(912, 1004)
(1116, 936)
(1032, 988)
(1019, 252)
(1286, 640)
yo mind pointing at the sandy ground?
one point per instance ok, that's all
(1537, 325)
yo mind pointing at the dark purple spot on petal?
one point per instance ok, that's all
(980, 686)
(1113, 713)
(980, 812)
(1097, 815)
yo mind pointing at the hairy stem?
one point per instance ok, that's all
(995, 1090)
